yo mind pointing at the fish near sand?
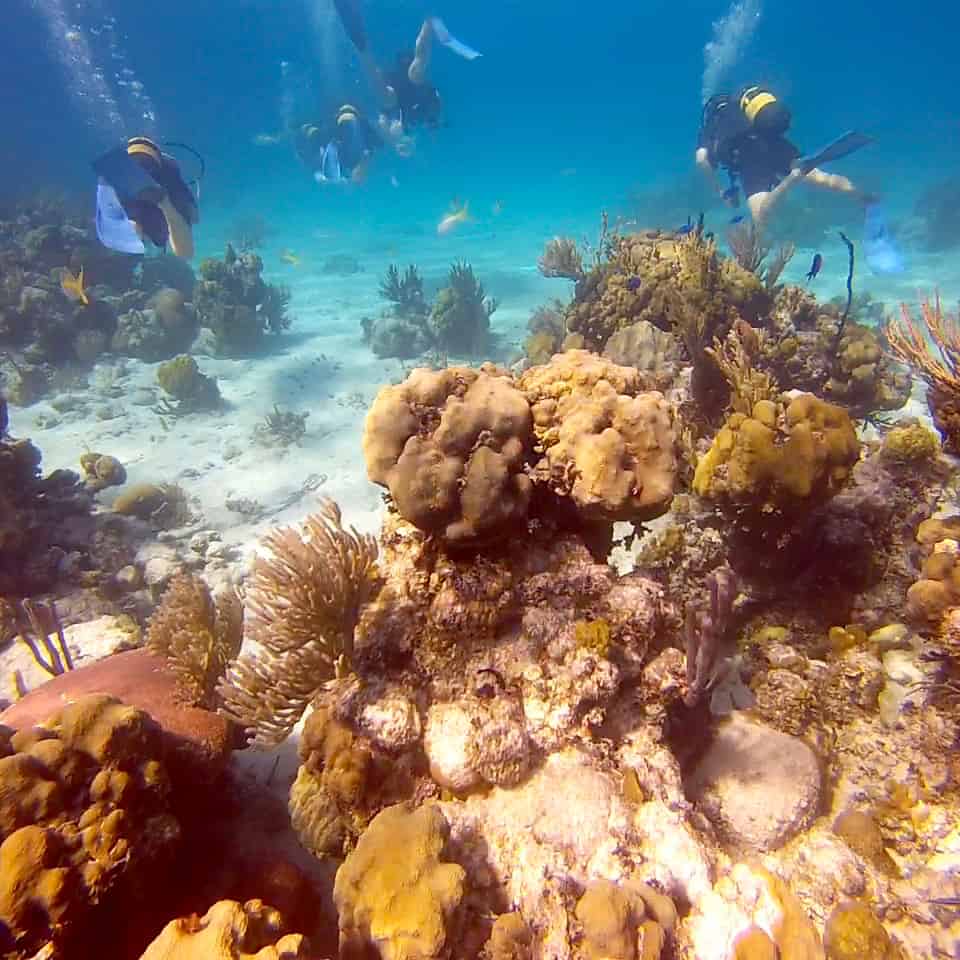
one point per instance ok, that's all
(453, 219)
(73, 287)
(815, 266)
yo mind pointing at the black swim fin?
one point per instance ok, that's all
(841, 147)
(352, 19)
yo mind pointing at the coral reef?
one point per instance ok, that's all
(85, 811)
(668, 281)
(461, 450)
(45, 523)
(163, 505)
(101, 471)
(237, 305)
(194, 391)
(460, 317)
(402, 330)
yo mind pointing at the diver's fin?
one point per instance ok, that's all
(114, 228)
(445, 37)
(352, 20)
(882, 254)
(841, 147)
(128, 179)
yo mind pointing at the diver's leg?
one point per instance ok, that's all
(834, 182)
(761, 204)
(181, 234)
(417, 71)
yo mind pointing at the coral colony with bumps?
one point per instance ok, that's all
(657, 653)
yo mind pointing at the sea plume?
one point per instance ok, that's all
(302, 605)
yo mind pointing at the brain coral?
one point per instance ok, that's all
(605, 444)
(450, 446)
(779, 456)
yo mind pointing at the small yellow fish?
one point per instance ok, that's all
(454, 218)
(72, 286)
(267, 139)
(288, 256)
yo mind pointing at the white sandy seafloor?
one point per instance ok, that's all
(322, 366)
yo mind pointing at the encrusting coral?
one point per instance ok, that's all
(197, 635)
(302, 604)
(396, 897)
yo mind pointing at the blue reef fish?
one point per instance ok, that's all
(633, 284)
(739, 218)
(815, 266)
(686, 228)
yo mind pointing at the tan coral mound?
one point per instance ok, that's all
(780, 456)
(608, 446)
(666, 281)
(83, 810)
(228, 931)
(450, 446)
(395, 897)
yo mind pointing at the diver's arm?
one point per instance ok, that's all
(181, 235)
(702, 158)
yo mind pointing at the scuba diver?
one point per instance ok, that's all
(141, 193)
(407, 98)
(338, 152)
(745, 135)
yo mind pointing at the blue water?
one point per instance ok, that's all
(572, 108)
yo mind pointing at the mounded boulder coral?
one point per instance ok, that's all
(605, 444)
(396, 897)
(229, 931)
(780, 458)
(450, 446)
(84, 812)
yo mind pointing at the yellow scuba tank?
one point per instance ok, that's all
(763, 111)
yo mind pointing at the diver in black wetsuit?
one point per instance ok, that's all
(745, 135)
(338, 151)
(409, 100)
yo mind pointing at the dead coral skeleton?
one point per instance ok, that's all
(303, 601)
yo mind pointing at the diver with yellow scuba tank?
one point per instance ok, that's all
(338, 152)
(141, 193)
(745, 136)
